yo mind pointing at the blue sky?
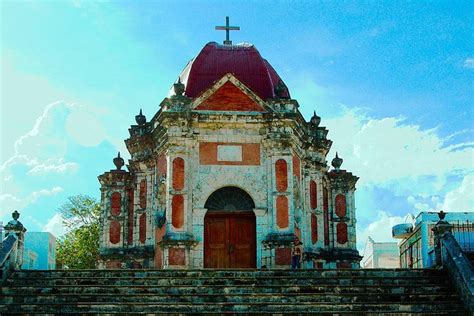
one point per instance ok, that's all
(392, 80)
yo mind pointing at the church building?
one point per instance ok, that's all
(227, 174)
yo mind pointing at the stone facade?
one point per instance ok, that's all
(224, 143)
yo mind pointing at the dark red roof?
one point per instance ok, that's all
(243, 60)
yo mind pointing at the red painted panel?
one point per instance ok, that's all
(282, 211)
(115, 203)
(161, 164)
(229, 98)
(178, 173)
(281, 173)
(208, 154)
(130, 216)
(314, 229)
(282, 256)
(177, 211)
(326, 216)
(114, 232)
(143, 193)
(296, 166)
(341, 229)
(177, 256)
(142, 228)
(313, 194)
(341, 205)
(246, 63)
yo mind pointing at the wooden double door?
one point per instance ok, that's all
(229, 240)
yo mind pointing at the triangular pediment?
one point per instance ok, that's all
(229, 94)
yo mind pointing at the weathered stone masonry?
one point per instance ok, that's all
(235, 133)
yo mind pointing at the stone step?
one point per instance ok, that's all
(222, 289)
(282, 281)
(381, 273)
(21, 298)
(139, 307)
(392, 292)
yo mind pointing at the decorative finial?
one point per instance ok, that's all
(140, 118)
(280, 89)
(15, 226)
(315, 120)
(15, 215)
(119, 162)
(337, 162)
(178, 87)
(441, 215)
(227, 28)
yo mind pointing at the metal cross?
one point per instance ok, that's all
(227, 28)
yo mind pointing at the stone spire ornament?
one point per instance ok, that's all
(119, 162)
(315, 120)
(14, 226)
(178, 87)
(140, 118)
(337, 162)
(279, 89)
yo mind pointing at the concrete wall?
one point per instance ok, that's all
(44, 245)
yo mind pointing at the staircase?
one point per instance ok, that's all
(373, 291)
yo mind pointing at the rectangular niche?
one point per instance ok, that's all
(229, 153)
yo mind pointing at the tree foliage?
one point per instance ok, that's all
(79, 247)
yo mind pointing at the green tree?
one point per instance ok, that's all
(79, 247)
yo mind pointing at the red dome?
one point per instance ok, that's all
(243, 61)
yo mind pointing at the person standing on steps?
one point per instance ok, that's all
(296, 254)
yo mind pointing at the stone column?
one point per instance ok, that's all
(262, 228)
(15, 228)
(439, 230)
(197, 253)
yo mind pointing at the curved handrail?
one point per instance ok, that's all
(8, 244)
(459, 267)
(8, 256)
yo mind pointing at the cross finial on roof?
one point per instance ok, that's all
(227, 28)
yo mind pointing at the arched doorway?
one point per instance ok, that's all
(229, 230)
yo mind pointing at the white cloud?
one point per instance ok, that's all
(461, 199)
(93, 135)
(469, 63)
(6, 197)
(28, 147)
(388, 149)
(11, 202)
(53, 165)
(55, 226)
(380, 230)
(44, 192)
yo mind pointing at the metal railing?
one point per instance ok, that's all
(463, 232)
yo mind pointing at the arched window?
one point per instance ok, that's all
(229, 199)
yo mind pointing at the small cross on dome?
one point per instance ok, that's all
(227, 28)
